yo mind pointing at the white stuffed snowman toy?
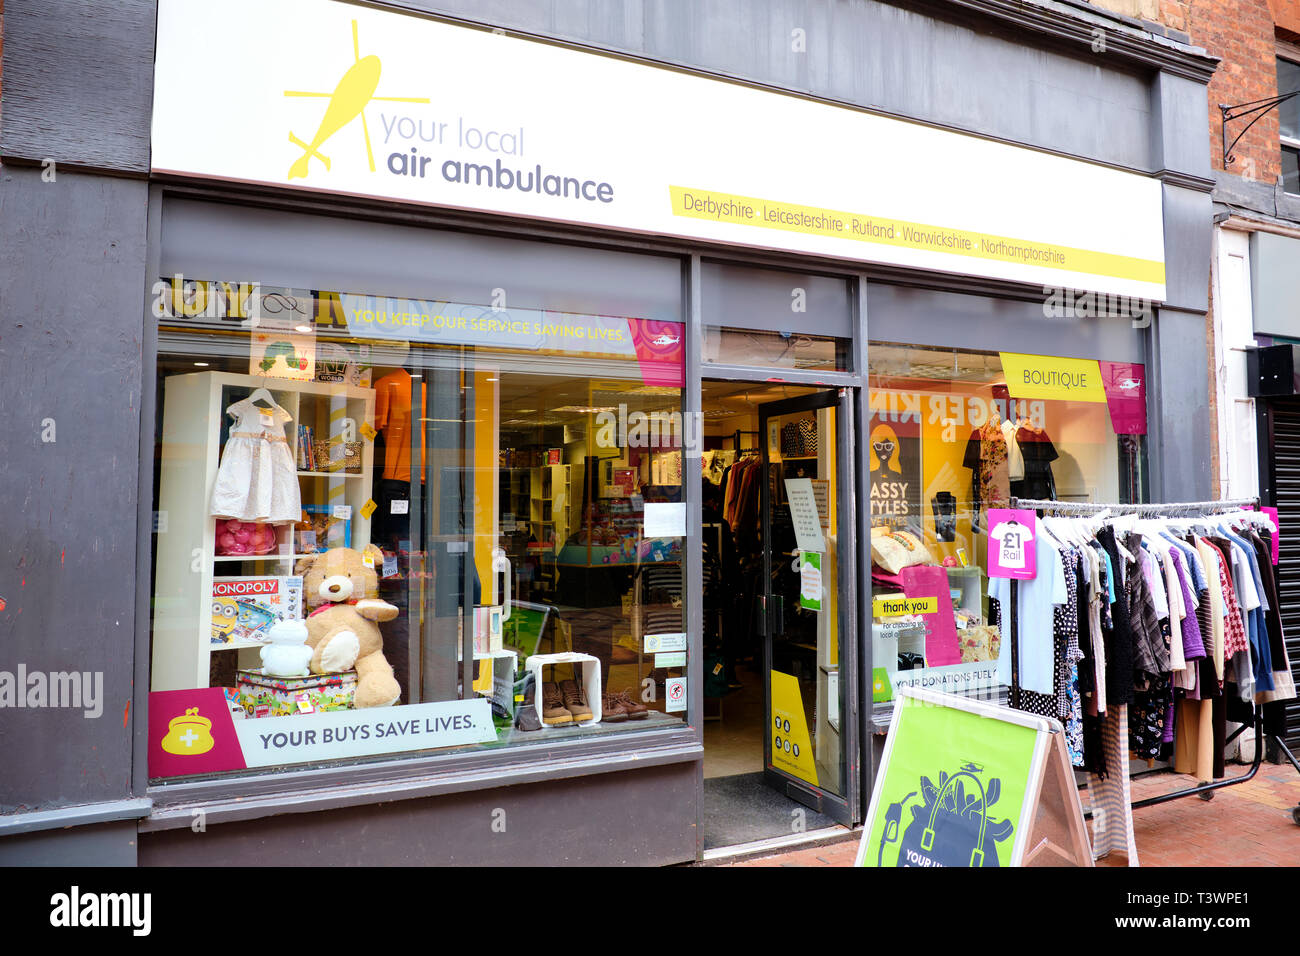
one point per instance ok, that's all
(287, 654)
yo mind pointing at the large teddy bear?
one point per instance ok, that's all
(342, 631)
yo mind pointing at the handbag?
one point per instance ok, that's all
(952, 827)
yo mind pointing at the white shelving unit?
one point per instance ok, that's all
(194, 409)
(551, 504)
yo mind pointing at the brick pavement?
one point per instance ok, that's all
(1245, 825)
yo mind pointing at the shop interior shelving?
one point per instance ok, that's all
(194, 425)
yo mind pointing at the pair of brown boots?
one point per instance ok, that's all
(621, 706)
(564, 703)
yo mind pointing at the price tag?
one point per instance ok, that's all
(342, 512)
(368, 431)
(1011, 543)
(368, 560)
(399, 506)
(368, 509)
(390, 565)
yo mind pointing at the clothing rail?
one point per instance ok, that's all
(1089, 507)
(1205, 790)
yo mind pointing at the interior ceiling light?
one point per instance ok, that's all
(655, 390)
(585, 409)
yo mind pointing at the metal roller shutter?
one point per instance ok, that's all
(1286, 469)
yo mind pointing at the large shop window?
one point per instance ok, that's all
(953, 434)
(392, 525)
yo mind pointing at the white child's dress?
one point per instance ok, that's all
(257, 480)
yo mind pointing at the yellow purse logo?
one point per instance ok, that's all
(188, 734)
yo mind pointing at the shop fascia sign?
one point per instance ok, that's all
(340, 98)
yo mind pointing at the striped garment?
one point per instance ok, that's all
(1112, 811)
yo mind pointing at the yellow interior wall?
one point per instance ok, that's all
(487, 439)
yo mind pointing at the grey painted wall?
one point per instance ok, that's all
(1187, 214)
(639, 814)
(78, 82)
(971, 75)
(70, 326)
(208, 240)
(1180, 108)
(1178, 447)
(1275, 284)
(911, 316)
(103, 844)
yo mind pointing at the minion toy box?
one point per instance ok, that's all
(244, 608)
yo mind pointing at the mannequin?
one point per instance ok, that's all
(1008, 455)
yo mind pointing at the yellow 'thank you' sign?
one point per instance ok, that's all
(788, 730)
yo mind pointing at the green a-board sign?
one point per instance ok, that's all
(966, 783)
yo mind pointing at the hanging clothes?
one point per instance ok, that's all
(1160, 624)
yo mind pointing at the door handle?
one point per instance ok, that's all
(501, 565)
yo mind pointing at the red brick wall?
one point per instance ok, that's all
(1241, 33)
(1286, 15)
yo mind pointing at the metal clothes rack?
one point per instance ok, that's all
(735, 437)
(1188, 508)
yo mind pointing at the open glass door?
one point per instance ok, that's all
(810, 748)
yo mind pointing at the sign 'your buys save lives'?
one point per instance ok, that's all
(342, 98)
(192, 732)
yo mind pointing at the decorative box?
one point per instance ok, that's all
(263, 696)
(336, 455)
(329, 532)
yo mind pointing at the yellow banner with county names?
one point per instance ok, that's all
(864, 227)
(1053, 377)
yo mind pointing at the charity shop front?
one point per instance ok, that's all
(532, 462)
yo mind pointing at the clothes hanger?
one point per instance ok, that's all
(262, 393)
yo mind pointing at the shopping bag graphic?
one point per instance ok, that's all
(952, 827)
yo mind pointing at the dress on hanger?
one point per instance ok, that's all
(257, 480)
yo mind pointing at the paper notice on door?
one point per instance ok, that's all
(822, 492)
(803, 513)
(666, 519)
(810, 581)
(664, 642)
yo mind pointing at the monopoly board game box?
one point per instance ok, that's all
(243, 609)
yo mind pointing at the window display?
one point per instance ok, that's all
(954, 434)
(394, 525)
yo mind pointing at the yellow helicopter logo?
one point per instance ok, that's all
(348, 101)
